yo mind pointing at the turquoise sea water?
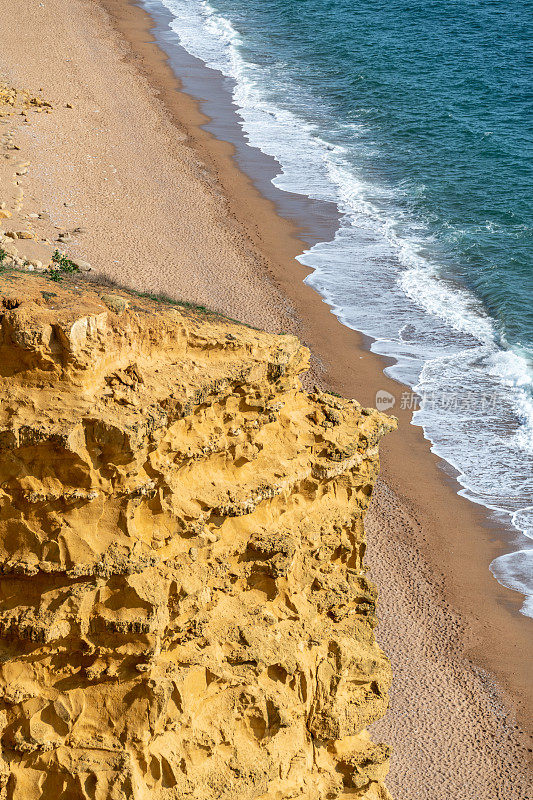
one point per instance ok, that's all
(416, 120)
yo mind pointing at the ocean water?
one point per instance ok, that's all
(415, 119)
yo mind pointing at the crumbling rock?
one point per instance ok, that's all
(184, 611)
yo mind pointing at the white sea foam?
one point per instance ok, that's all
(514, 571)
(379, 278)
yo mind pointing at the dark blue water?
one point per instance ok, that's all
(415, 118)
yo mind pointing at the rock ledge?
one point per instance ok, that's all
(184, 610)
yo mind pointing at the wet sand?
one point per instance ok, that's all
(163, 206)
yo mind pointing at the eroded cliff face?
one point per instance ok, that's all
(184, 611)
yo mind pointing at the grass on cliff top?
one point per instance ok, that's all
(70, 277)
(159, 297)
(163, 299)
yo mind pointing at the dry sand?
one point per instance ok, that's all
(162, 207)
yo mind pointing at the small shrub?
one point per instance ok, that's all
(63, 263)
(60, 264)
(3, 254)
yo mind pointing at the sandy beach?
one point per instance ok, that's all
(122, 172)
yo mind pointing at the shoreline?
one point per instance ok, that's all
(419, 530)
(300, 296)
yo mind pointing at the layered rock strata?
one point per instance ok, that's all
(184, 610)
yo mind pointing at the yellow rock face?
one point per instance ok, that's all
(184, 611)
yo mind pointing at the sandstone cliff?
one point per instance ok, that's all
(184, 611)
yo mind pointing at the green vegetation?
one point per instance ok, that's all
(61, 264)
(161, 297)
(3, 254)
(63, 267)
